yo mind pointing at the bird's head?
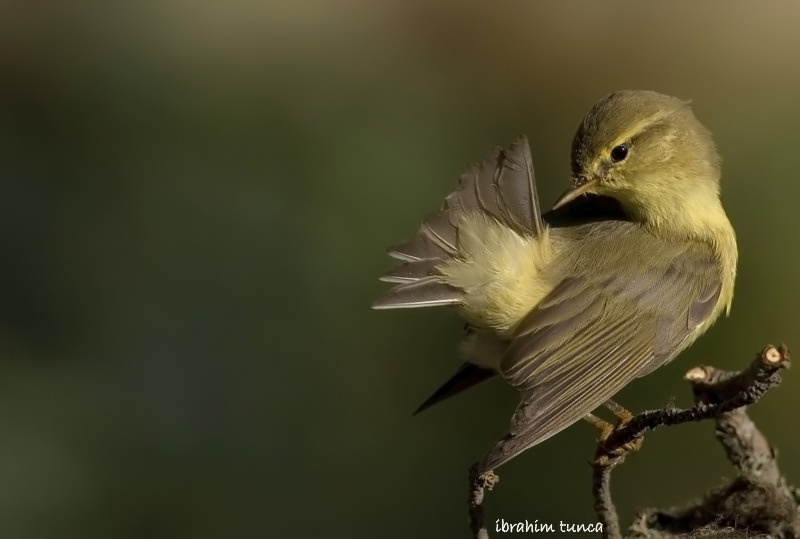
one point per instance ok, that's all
(646, 150)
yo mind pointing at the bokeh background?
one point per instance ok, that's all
(195, 199)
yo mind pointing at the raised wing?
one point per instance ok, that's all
(503, 187)
(599, 329)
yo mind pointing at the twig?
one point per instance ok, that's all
(603, 504)
(723, 395)
(718, 394)
(478, 483)
(728, 392)
(745, 446)
(757, 502)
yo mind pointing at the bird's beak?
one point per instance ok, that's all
(580, 186)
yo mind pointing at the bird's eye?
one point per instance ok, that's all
(619, 153)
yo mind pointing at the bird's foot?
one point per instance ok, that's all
(610, 451)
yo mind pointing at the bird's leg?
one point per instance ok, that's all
(623, 414)
(604, 427)
(608, 452)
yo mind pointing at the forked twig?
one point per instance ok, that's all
(718, 394)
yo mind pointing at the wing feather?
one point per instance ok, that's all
(597, 330)
(501, 187)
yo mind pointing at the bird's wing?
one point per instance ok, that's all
(596, 331)
(503, 187)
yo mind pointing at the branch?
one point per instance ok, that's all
(721, 395)
(603, 504)
(716, 392)
(478, 484)
(758, 501)
(759, 488)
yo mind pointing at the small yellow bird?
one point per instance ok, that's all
(634, 262)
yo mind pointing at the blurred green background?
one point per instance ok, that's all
(194, 206)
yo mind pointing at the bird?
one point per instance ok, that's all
(631, 265)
